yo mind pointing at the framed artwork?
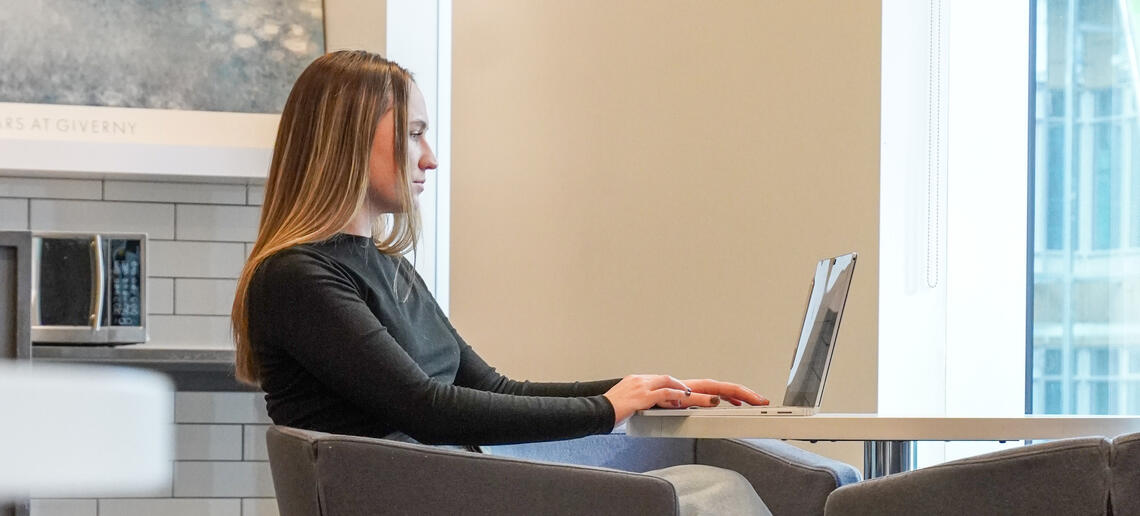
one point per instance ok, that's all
(156, 87)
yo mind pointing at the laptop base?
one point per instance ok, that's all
(743, 410)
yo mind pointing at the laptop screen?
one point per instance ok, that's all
(817, 336)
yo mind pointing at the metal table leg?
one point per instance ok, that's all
(882, 458)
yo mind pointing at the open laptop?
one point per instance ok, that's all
(829, 287)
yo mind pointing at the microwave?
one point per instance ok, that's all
(88, 288)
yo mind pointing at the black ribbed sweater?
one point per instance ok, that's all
(340, 351)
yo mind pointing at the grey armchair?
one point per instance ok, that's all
(1070, 476)
(325, 474)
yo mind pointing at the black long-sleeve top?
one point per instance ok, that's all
(341, 351)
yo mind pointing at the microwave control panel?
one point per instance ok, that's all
(125, 282)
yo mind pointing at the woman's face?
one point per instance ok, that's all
(383, 178)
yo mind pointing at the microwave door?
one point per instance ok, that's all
(65, 282)
(68, 289)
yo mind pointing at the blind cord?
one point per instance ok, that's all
(934, 147)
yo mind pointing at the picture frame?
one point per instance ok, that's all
(176, 128)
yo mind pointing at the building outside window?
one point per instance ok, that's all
(1086, 239)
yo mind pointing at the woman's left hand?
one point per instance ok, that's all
(735, 394)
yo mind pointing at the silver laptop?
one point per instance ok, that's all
(816, 345)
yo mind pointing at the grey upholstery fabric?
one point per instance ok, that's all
(362, 476)
(1125, 489)
(788, 479)
(1069, 476)
(294, 468)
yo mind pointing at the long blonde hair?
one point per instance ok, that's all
(318, 178)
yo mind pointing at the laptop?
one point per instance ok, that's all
(812, 357)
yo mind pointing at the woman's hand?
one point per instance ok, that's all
(736, 394)
(640, 391)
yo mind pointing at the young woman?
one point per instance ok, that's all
(337, 327)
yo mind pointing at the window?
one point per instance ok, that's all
(1085, 315)
(419, 38)
(953, 270)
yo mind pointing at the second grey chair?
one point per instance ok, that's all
(323, 474)
(1070, 477)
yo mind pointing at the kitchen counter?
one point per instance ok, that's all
(204, 369)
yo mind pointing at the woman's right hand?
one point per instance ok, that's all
(641, 391)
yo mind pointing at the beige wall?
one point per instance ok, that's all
(645, 186)
(356, 24)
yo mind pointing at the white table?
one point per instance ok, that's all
(75, 431)
(889, 441)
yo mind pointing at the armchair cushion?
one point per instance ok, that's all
(788, 479)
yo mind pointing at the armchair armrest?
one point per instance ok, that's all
(364, 476)
(788, 479)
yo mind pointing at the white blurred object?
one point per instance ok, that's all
(80, 430)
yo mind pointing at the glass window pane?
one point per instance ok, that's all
(1102, 186)
(1134, 199)
(1134, 397)
(1098, 366)
(1086, 277)
(1055, 187)
(1103, 397)
(1053, 398)
(1053, 361)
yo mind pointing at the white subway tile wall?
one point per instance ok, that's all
(65, 507)
(174, 259)
(208, 442)
(189, 331)
(222, 479)
(204, 296)
(200, 193)
(13, 214)
(199, 235)
(255, 196)
(218, 223)
(160, 295)
(169, 507)
(156, 220)
(259, 507)
(254, 439)
(220, 407)
(40, 188)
